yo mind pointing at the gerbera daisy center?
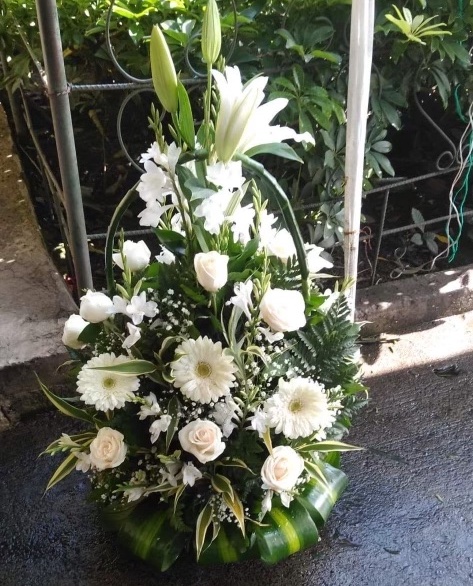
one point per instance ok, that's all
(203, 369)
(295, 406)
(109, 382)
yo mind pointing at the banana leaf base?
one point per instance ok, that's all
(146, 529)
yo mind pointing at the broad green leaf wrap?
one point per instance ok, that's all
(288, 531)
(319, 500)
(147, 533)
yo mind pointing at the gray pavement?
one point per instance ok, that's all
(406, 518)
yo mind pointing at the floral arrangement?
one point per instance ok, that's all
(216, 380)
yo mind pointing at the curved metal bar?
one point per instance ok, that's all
(452, 153)
(192, 69)
(119, 124)
(111, 52)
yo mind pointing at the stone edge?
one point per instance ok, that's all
(396, 306)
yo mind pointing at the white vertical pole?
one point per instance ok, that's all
(361, 53)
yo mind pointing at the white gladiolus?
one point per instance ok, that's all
(159, 426)
(138, 308)
(96, 307)
(132, 338)
(72, 330)
(211, 269)
(136, 255)
(315, 262)
(190, 474)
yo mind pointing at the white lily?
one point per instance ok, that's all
(237, 104)
(242, 123)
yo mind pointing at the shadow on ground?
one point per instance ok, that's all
(406, 519)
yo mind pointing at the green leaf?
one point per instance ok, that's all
(234, 503)
(222, 484)
(171, 240)
(391, 114)
(327, 56)
(130, 368)
(328, 446)
(382, 146)
(173, 411)
(185, 117)
(287, 531)
(203, 521)
(89, 333)
(66, 408)
(278, 149)
(66, 467)
(286, 35)
(418, 219)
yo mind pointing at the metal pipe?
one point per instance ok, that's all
(58, 93)
(361, 53)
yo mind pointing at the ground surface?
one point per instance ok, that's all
(406, 519)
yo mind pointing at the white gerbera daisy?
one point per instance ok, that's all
(106, 390)
(203, 370)
(299, 408)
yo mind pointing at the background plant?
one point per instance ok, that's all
(420, 51)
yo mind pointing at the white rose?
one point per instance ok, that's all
(72, 330)
(203, 439)
(108, 449)
(96, 307)
(283, 310)
(212, 270)
(136, 254)
(282, 245)
(282, 469)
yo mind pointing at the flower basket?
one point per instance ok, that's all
(216, 381)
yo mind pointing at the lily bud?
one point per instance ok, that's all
(163, 71)
(211, 33)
